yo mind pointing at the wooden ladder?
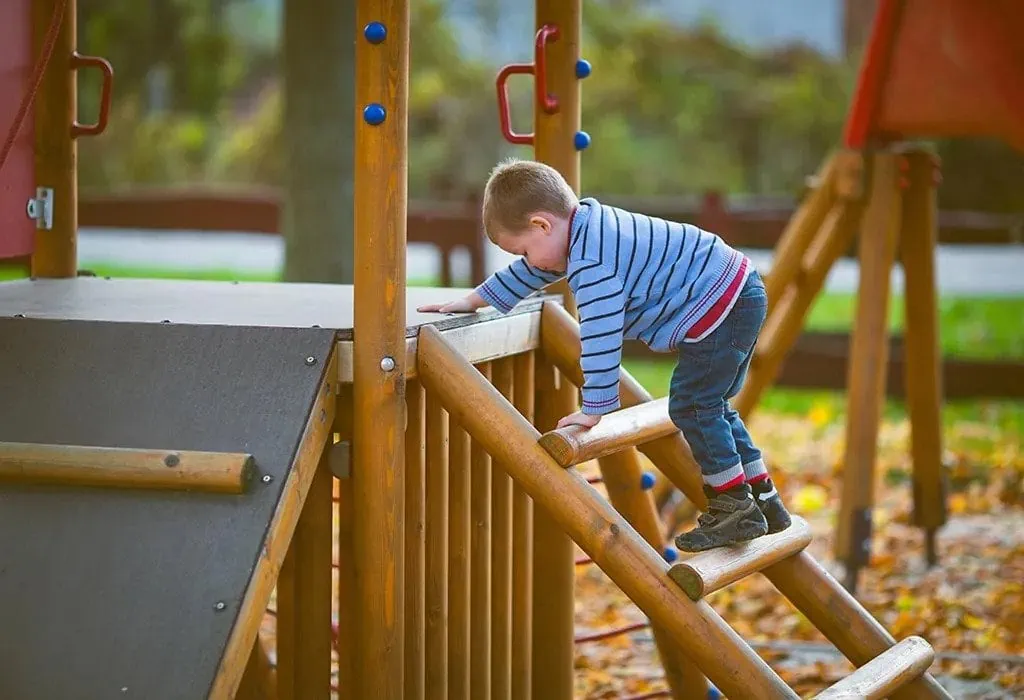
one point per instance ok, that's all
(691, 635)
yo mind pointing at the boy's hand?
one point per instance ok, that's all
(579, 418)
(471, 302)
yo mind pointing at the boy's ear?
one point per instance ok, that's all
(541, 222)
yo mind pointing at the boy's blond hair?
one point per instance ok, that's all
(516, 189)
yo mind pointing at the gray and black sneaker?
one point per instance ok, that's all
(732, 517)
(770, 503)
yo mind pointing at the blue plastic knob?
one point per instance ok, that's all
(582, 68)
(374, 113)
(670, 554)
(647, 481)
(581, 140)
(714, 693)
(375, 32)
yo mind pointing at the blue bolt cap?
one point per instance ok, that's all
(714, 693)
(374, 113)
(670, 554)
(647, 481)
(582, 68)
(581, 140)
(375, 32)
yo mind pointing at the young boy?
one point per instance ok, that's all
(673, 286)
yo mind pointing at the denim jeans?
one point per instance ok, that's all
(708, 374)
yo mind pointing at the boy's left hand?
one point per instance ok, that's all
(579, 418)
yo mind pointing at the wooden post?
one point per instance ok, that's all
(458, 562)
(923, 373)
(522, 545)
(381, 189)
(348, 605)
(415, 538)
(501, 553)
(481, 564)
(56, 159)
(554, 572)
(436, 634)
(869, 347)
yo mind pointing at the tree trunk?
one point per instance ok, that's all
(319, 90)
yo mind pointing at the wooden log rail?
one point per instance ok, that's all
(629, 427)
(123, 468)
(885, 673)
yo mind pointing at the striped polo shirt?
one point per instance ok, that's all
(633, 276)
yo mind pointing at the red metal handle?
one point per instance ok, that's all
(80, 61)
(549, 32)
(504, 115)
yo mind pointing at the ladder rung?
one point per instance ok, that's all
(627, 427)
(707, 572)
(897, 665)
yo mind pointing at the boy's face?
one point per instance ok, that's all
(544, 243)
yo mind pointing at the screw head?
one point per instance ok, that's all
(387, 364)
(172, 460)
(375, 32)
(310, 360)
(219, 605)
(374, 114)
(266, 479)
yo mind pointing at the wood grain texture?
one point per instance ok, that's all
(501, 549)
(379, 329)
(885, 673)
(435, 684)
(598, 528)
(415, 539)
(123, 468)
(481, 566)
(459, 527)
(56, 153)
(627, 427)
(524, 368)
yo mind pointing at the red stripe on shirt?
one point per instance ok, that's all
(712, 315)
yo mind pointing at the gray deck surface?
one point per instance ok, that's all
(112, 594)
(266, 304)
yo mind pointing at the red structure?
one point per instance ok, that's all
(17, 170)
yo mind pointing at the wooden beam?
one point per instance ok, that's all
(885, 673)
(480, 557)
(55, 253)
(707, 572)
(379, 359)
(624, 428)
(524, 395)
(595, 525)
(415, 539)
(124, 468)
(503, 377)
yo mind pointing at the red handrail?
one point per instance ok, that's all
(546, 101)
(80, 61)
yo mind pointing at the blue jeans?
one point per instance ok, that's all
(708, 374)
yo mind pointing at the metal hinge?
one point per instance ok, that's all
(40, 208)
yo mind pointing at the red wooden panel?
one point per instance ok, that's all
(17, 177)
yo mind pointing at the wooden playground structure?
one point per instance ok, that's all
(385, 487)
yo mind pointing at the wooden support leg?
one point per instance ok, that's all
(304, 594)
(554, 571)
(481, 562)
(621, 473)
(868, 363)
(522, 546)
(924, 370)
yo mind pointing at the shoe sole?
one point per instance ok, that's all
(751, 534)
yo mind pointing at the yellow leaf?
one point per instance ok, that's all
(810, 499)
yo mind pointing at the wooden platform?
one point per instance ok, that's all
(480, 336)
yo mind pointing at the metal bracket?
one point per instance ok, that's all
(40, 208)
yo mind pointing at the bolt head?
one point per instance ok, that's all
(387, 364)
(267, 478)
(172, 460)
(219, 605)
(310, 360)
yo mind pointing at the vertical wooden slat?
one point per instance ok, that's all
(923, 372)
(866, 374)
(346, 592)
(501, 555)
(480, 564)
(554, 573)
(55, 251)
(415, 539)
(381, 189)
(458, 561)
(522, 545)
(304, 596)
(436, 626)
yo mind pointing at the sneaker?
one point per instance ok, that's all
(770, 502)
(732, 517)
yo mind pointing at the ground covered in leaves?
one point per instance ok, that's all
(970, 607)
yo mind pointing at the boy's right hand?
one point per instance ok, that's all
(468, 303)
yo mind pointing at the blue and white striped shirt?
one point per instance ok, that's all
(633, 276)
